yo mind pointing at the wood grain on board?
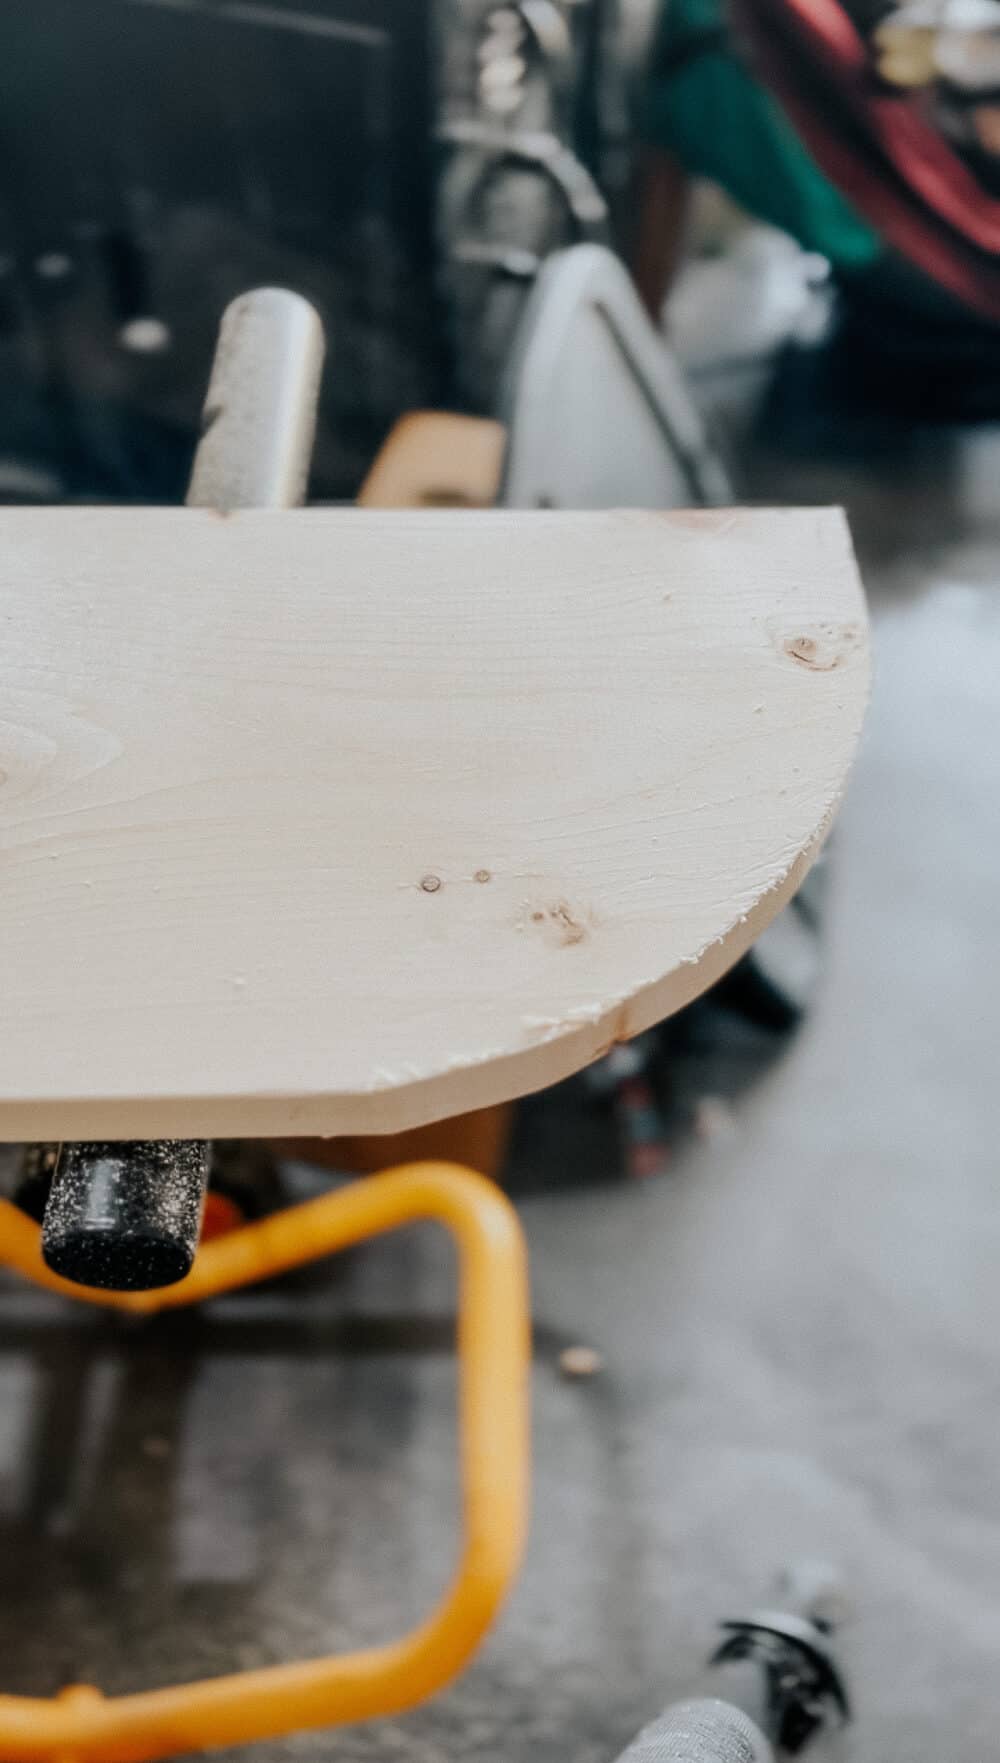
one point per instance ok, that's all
(340, 822)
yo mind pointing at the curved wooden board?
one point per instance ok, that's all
(337, 821)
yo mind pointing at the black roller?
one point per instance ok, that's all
(126, 1216)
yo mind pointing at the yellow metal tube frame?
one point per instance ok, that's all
(82, 1726)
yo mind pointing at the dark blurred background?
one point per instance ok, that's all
(380, 156)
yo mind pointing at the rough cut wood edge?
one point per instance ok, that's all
(409, 1104)
(564, 1046)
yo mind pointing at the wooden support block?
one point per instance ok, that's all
(431, 459)
(336, 822)
(477, 1141)
(434, 459)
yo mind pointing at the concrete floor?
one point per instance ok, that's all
(799, 1321)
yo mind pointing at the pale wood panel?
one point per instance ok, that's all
(336, 821)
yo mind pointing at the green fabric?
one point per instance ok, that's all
(704, 106)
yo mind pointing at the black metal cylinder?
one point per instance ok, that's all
(126, 1217)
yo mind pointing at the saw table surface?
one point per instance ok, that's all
(338, 821)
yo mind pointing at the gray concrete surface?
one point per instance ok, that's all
(800, 1322)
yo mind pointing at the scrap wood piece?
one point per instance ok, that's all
(340, 822)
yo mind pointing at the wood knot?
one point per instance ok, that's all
(563, 924)
(821, 647)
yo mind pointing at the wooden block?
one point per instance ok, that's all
(341, 822)
(477, 1140)
(434, 459)
(430, 459)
